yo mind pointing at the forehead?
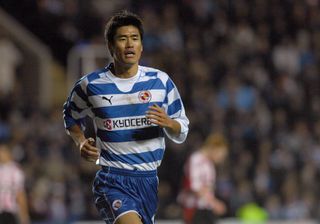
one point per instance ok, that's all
(127, 30)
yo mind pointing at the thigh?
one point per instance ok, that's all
(129, 218)
(112, 202)
(148, 193)
(116, 196)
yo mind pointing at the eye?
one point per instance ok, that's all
(135, 38)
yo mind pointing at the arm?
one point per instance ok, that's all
(86, 145)
(158, 116)
(171, 116)
(75, 109)
(217, 206)
(23, 207)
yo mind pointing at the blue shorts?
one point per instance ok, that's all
(119, 191)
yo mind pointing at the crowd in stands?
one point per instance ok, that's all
(246, 68)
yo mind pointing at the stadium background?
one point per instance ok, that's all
(246, 68)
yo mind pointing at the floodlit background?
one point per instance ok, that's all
(246, 68)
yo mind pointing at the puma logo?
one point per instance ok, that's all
(109, 100)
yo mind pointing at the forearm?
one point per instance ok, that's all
(23, 208)
(174, 127)
(77, 135)
(217, 206)
(86, 146)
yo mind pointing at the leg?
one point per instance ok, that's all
(129, 218)
(203, 216)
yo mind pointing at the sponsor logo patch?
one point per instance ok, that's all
(126, 123)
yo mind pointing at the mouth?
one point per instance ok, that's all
(129, 53)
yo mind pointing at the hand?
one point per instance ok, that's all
(88, 150)
(219, 207)
(158, 116)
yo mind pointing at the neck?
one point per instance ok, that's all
(124, 71)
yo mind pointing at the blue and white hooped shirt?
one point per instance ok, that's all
(124, 135)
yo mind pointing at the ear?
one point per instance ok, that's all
(110, 47)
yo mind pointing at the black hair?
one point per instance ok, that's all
(122, 18)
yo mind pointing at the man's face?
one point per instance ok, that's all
(127, 45)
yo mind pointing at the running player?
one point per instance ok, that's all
(133, 107)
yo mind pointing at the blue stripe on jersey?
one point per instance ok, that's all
(134, 158)
(151, 73)
(68, 119)
(123, 110)
(69, 122)
(130, 135)
(148, 85)
(111, 88)
(80, 93)
(95, 75)
(174, 107)
(74, 107)
(170, 85)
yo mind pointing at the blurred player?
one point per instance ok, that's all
(200, 206)
(13, 202)
(133, 107)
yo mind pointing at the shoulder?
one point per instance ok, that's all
(94, 75)
(16, 170)
(198, 158)
(154, 73)
(89, 78)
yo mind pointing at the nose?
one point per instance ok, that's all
(129, 43)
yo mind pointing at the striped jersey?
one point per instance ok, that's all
(11, 182)
(125, 137)
(200, 173)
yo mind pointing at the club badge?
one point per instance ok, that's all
(145, 96)
(116, 204)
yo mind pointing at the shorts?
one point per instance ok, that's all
(119, 191)
(8, 218)
(198, 216)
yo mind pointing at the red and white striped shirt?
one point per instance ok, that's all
(11, 182)
(200, 173)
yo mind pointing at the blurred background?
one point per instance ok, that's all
(246, 68)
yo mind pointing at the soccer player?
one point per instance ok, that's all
(13, 200)
(200, 206)
(133, 107)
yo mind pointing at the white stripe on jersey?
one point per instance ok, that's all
(141, 166)
(77, 115)
(172, 96)
(122, 148)
(125, 99)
